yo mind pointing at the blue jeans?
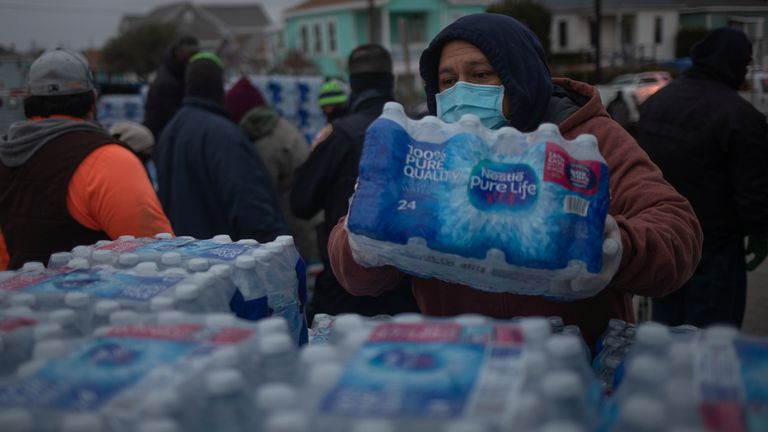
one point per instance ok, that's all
(716, 293)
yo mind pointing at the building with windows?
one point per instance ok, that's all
(645, 30)
(242, 35)
(326, 31)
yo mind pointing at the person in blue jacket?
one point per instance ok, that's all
(211, 180)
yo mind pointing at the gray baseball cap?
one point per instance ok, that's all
(60, 72)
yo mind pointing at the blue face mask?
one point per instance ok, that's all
(483, 101)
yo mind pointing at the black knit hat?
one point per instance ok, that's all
(205, 77)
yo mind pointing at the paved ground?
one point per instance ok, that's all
(756, 319)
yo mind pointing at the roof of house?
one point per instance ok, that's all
(218, 19)
(311, 4)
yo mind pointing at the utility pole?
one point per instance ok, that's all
(371, 20)
(597, 35)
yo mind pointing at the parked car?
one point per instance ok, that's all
(622, 96)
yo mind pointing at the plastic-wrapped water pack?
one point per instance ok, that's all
(498, 210)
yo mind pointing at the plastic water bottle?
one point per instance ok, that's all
(187, 298)
(172, 317)
(198, 265)
(16, 420)
(567, 353)
(79, 264)
(651, 339)
(84, 252)
(255, 304)
(102, 309)
(124, 317)
(101, 257)
(641, 414)
(170, 260)
(163, 403)
(222, 239)
(49, 349)
(536, 331)
(80, 303)
(645, 376)
(127, 260)
(278, 354)
(59, 260)
(23, 300)
(227, 407)
(272, 325)
(162, 303)
(273, 398)
(343, 325)
(565, 398)
(320, 379)
(406, 318)
(32, 268)
(683, 408)
(528, 413)
(164, 236)
(67, 319)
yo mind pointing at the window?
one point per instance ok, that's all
(304, 39)
(562, 34)
(657, 30)
(331, 36)
(318, 38)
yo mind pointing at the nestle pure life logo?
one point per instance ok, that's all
(502, 186)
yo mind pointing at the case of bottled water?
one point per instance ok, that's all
(498, 210)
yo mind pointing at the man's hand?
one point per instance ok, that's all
(612, 250)
(757, 246)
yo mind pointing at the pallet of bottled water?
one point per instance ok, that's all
(679, 380)
(498, 210)
(469, 373)
(166, 371)
(128, 276)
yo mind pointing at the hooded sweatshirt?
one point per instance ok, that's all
(109, 191)
(710, 142)
(165, 93)
(661, 238)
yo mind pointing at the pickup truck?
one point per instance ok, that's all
(622, 96)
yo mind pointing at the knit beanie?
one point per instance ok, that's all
(241, 98)
(205, 77)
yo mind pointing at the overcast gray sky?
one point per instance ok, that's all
(85, 23)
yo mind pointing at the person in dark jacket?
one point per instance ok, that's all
(211, 180)
(167, 90)
(327, 179)
(711, 145)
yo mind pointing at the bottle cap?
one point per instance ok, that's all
(276, 343)
(48, 349)
(146, 268)
(562, 385)
(224, 382)
(128, 259)
(101, 256)
(535, 329)
(161, 303)
(272, 325)
(317, 353)
(171, 259)
(23, 299)
(643, 412)
(63, 317)
(652, 334)
(124, 317)
(126, 237)
(171, 317)
(222, 238)
(198, 264)
(187, 291)
(245, 262)
(82, 252)
(59, 259)
(470, 319)
(105, 307)
(277, 396)
(78, 263)
(220, 320)
(164, 236)
(324, 375)
(76, 299)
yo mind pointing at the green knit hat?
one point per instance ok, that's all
(332, 92)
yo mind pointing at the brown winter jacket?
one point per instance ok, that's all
(661, 240)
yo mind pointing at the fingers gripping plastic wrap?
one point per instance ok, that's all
(498, 210)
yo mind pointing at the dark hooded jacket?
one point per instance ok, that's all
(165, 94)
(710, 143)
(661, 239)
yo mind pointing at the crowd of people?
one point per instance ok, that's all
(227, 163)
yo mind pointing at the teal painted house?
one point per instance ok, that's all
(326, 31)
